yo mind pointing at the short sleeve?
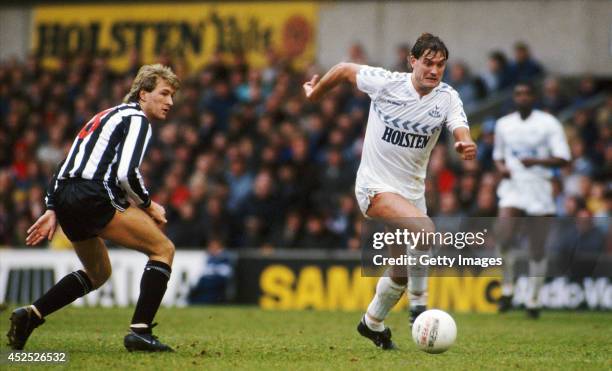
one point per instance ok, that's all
(558, 142)
(371, 79)
(456, 117)
(498, 147)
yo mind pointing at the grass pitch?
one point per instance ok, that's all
(222, 338)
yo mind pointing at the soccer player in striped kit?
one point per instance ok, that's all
(407, 113)
(88, 196)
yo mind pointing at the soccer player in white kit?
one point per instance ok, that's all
(407, 113)
(528, 143)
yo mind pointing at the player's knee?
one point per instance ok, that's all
(428, 226)
(399, 280)
(99, 276)
(168, 249)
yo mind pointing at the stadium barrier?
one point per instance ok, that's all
(290, 280)
(26, 274)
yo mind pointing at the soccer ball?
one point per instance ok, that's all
(434, 331)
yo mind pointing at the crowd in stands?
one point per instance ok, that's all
(244, 160)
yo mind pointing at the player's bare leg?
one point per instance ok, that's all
(134, 229)
(96, 270)
(397, 213)
(507, 225)
(537, 229)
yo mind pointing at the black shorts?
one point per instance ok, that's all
(83, 208)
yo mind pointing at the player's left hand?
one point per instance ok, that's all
(43, 228)
(528, 162)
(466, 149)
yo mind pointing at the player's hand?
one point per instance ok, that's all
(309, 86)
(466, 149)
(505, 173)
(157, 213)
(529, 161)
(43, 228)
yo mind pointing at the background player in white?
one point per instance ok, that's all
(528, 143)
(407, 113)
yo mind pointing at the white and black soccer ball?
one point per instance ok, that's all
(434, 331)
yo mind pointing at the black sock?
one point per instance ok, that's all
(67, 290)
(152, 288)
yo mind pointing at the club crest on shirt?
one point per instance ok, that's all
(434, 112)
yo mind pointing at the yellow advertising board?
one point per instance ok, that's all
(188, 30)
(340, 288)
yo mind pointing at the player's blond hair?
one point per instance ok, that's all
(147, 78)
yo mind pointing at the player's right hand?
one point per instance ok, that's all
(43, 228)
(467, 149)
(157, 213)
(309, 86)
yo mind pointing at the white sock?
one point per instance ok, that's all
(508, 261)
(36, 311)
(387, 295)
(418, 299)
(139, 325)
(417, 279)
(507, 289)
(373, 324)
(537, 274)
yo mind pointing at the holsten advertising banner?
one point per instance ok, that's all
(189, 30)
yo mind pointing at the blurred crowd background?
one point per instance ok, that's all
(244, 161)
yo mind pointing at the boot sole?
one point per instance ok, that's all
(12, 333)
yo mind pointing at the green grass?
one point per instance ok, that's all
(249, 338)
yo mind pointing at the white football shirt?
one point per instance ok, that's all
(402, 129)
(539, 136)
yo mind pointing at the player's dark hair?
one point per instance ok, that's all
(428, 43)
(500, 57)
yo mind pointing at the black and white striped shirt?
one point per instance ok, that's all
(109, 149)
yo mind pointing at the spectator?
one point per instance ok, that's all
(336, 178)
(316, 234)
(553, 100)
(260, 209)
(485, 145)
(291, 233)
(486, 204)
(402, 53)
(586, 91)
(498, 75)
(214, 285)
(460, 80)
(357, 54)
(240, 182)
(186, 230)
(233, 120)
(525, 68)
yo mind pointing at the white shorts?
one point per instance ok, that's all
(533, 196)
(363, 195)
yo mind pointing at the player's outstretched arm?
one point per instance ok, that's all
(464, 144)
(315, 88)
(43, 228)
